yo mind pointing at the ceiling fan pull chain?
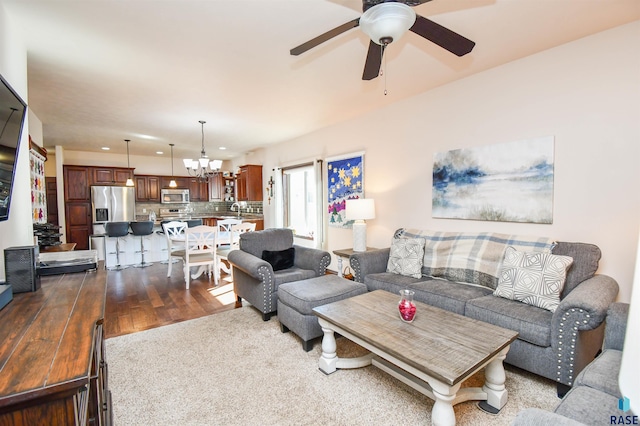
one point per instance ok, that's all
(383, 68)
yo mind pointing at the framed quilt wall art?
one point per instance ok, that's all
(345, 181)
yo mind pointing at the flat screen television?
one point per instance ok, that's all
(12, 113)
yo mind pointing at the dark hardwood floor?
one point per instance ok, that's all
(144, 298)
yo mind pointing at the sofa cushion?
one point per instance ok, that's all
(602, 373)
(585, 262)
(470, 257)
(390, 282)
(533, 324)
(588, 406)
(534, 278)
(279, 259)
(405, 257)
(292, 274)
(432, 291)
(447, 295)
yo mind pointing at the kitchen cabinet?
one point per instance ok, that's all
(147, 188)
(182, 182)
(210, 221)
(259, 223)
(216, 188)
(110, 175)
(249, 183)
(76, 183)
(213, 221)
(198, 190)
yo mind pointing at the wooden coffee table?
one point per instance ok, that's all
(434, 354)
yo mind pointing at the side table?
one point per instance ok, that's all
(345, 254)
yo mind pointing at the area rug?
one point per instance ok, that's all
(232, 368)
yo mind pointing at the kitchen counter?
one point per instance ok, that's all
(217, 216)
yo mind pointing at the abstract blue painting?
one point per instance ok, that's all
(508, 182)
(345, 181)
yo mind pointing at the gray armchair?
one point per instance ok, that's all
(255, 280)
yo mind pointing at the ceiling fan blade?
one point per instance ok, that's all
(443, 37)
(373, 62)
(324, 37)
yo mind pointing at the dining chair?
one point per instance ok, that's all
(199, 250)
(234, 243)
(174, 232)
(224, 230)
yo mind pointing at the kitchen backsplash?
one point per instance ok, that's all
(201, 208)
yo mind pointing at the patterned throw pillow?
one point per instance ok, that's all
(533, 278)
(405, 257)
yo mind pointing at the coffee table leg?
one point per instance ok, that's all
(442, 413)
(494, 381)
(329, 358)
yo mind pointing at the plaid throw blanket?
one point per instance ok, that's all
(470, 257)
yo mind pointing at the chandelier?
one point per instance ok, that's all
(202, 168)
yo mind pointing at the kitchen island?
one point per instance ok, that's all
(155, 244)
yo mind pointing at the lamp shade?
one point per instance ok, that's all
(215, 164)
(387, 20)
(360, 209)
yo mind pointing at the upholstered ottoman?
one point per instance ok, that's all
(297, 299)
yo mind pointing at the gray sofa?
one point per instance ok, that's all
(593, 400)
(255, 280)
(556, 345)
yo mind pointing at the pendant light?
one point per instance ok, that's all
(129, 180)
(173, 183)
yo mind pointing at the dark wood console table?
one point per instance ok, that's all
(52, 366)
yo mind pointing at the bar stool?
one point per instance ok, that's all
(192, 223)
(142, 229)
(161, 232)
(117, 230)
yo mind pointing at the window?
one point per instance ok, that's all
(299, 187)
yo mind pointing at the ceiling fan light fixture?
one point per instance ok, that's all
(386, 22)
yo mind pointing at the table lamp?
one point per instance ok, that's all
(360, 210)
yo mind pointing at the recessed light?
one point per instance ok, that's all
(159, 152)
(105, 148)
(222, 148)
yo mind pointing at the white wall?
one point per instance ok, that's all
(586, 94)
(18, 230)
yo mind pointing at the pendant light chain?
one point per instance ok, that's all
(172, 182)
(127, 141)
(171, 145)
(129, 180)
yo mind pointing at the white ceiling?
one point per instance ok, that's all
(101, 71)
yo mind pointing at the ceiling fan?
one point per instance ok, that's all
(387, 20)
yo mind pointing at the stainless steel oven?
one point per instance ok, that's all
(174, 196)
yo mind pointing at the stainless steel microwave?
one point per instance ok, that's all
(174, 196)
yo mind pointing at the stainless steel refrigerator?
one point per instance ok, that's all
(113, 204)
